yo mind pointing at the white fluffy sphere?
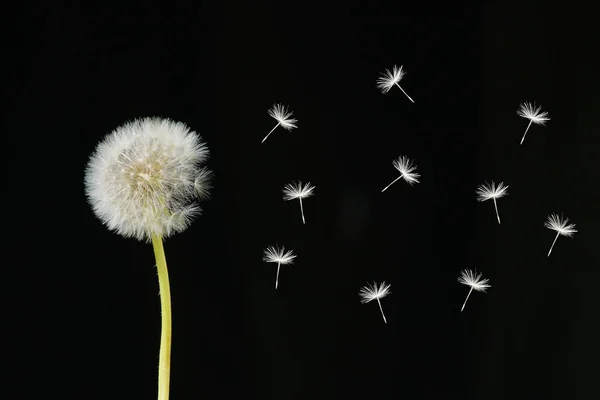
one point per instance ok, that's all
(146, 177)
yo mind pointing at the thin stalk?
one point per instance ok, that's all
(465, 303)
(496, 206)
(302, 211)
(394, 181)
(277, 277)
(551, 247)
(164, 363)
(405, 93)
(381, 309)
(528, 125)
(270, 132)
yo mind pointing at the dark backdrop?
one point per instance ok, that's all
(90, 298)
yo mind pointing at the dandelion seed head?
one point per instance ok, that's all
(145, 178)
(388, 78)
(293, 191)
(560, 225)
(374, 291)
(473, 279)
(533, 113)
(406, 167)
(284, 117)
(491, 191)
(278, 255)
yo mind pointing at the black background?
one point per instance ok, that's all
(87, 300)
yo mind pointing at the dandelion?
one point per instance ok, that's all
(293, 191)
(407, 171)
(533, 114)
(468, 277)
(375, 292)
(283, 118)
(143, 181)
(279, 256)
(388, 80)
(560, 226)
(486, 192)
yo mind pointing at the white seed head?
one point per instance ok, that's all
(533, 113)
(406, 167)
(491, 191)
(372, 292)
(145, 178)
(293, 191)
(473, 279)
(274, 254)
(560, 225)
(283, 116)
(388, 79)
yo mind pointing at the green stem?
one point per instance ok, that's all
(164, 364)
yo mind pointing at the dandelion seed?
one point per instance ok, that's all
(283, 118)
(560, 226)
(486, 192)
(407, 169)
(202, 183)
(279, 256)
(468, 277)
(533, 114)
(293, 191)
(375, 292)
(388, 80)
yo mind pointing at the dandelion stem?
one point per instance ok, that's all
(164, 364)
(302, 211)
(271, 132)
(405, 93)
(381, 309)
(551, 247)
(277, 277)
(496, 207)
(528, 125)
(465, 303)
(394, 181)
